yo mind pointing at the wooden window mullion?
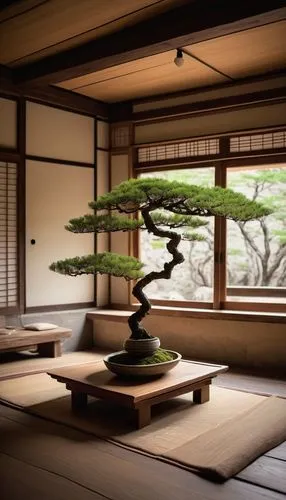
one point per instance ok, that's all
(219, 295)
(6, 231)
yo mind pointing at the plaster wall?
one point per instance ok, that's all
(58, 134)
(54, 194)
(102, 134)
(120, 240)
(102, 281)
(212, 123)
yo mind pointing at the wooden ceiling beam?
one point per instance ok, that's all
(47, 94)
(262, 97)
(191, 23)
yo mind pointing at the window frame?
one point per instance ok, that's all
(249, 305)
(224, 160)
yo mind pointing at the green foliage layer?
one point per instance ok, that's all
(101, 263)
(90, 223)
(106, 223)
(179, 198)
(226, 203)
(174, 221)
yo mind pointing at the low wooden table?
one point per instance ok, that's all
(140, 394)
(48, 341)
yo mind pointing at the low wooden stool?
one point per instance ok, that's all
(48, 341)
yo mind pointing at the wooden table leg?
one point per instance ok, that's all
(201, 395)
(143, 416)
(78, 400)
(50, 349)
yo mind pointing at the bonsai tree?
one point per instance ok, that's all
(164, 206)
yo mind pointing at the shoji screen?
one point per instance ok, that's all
(8, 236)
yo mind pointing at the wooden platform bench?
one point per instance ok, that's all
(47, 341)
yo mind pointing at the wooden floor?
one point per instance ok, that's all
(117, 473)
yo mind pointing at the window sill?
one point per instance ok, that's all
(119, 312)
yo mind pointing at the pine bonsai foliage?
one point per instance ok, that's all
(164, 206)
(102, 263)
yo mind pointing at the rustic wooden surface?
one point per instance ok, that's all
(48, 340)
(267, 472)
(40, 459)
(14, 365)
(139, 394)
(122, 474)
(258, 384)
(21, 364)
(99, 381)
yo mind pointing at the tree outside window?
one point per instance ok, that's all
(256, 250)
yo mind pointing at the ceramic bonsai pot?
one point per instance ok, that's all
(141, 347)
(115, 363)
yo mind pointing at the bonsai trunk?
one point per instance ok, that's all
(137, 330)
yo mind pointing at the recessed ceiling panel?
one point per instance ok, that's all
(124, 69)
(149, 76)
(250, 52)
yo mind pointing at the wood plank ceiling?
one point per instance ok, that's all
(227, 58)
(32, 30)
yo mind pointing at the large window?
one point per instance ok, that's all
(252, 275)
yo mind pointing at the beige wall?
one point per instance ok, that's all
(119, 241)
(102, 281)
(237, 343)
(102, 186)
(8, 123)
(59, 134)
(55, 194)
(102, 134)
(213, 123)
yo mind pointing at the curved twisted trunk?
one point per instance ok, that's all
(137, 330)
